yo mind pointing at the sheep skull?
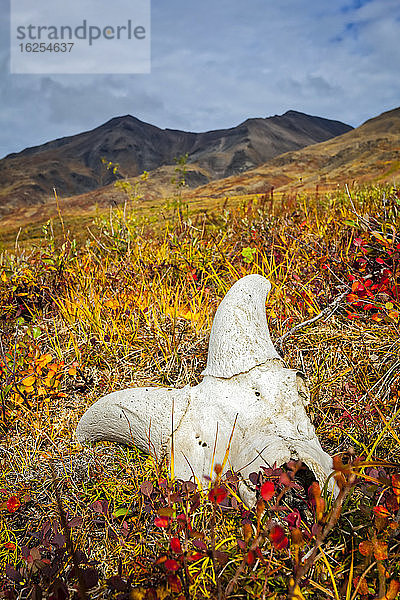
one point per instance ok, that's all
(245, 389)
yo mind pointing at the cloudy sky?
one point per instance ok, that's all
(216, 63)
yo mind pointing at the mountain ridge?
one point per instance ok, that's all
(73, 164)
(368, 153)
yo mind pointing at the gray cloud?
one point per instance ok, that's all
(215, 64)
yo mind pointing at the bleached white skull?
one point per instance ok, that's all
(246, 389)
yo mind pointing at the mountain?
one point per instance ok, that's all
(368, 154)
(73, 165)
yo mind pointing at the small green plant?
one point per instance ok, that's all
(248, 254)
(179, 178)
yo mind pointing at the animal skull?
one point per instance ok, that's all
(246, 389)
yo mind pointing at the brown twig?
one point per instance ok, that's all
(213, 558)
(68, 540)
(258, 540)
(326, 312)
(303, 569)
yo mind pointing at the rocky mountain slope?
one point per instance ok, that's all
(368, 154)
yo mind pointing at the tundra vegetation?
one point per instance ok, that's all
(130, 302)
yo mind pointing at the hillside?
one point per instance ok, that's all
(73, 165)
(368, 154)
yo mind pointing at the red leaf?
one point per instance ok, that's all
(9, 546)
(377, 317)
(200, 545)
(282, 544)
(176, 545)
(250, 558)
(171, 564)
(195, 556)
(277, 532)
(278, 537)
(380, 261)
(396, 485)
(293, 519)
(381, 511)
(174, 583)
(13, 504)
(365, 548)
(161, 522)
(352, 297)
(217, 494)
(267, 490)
